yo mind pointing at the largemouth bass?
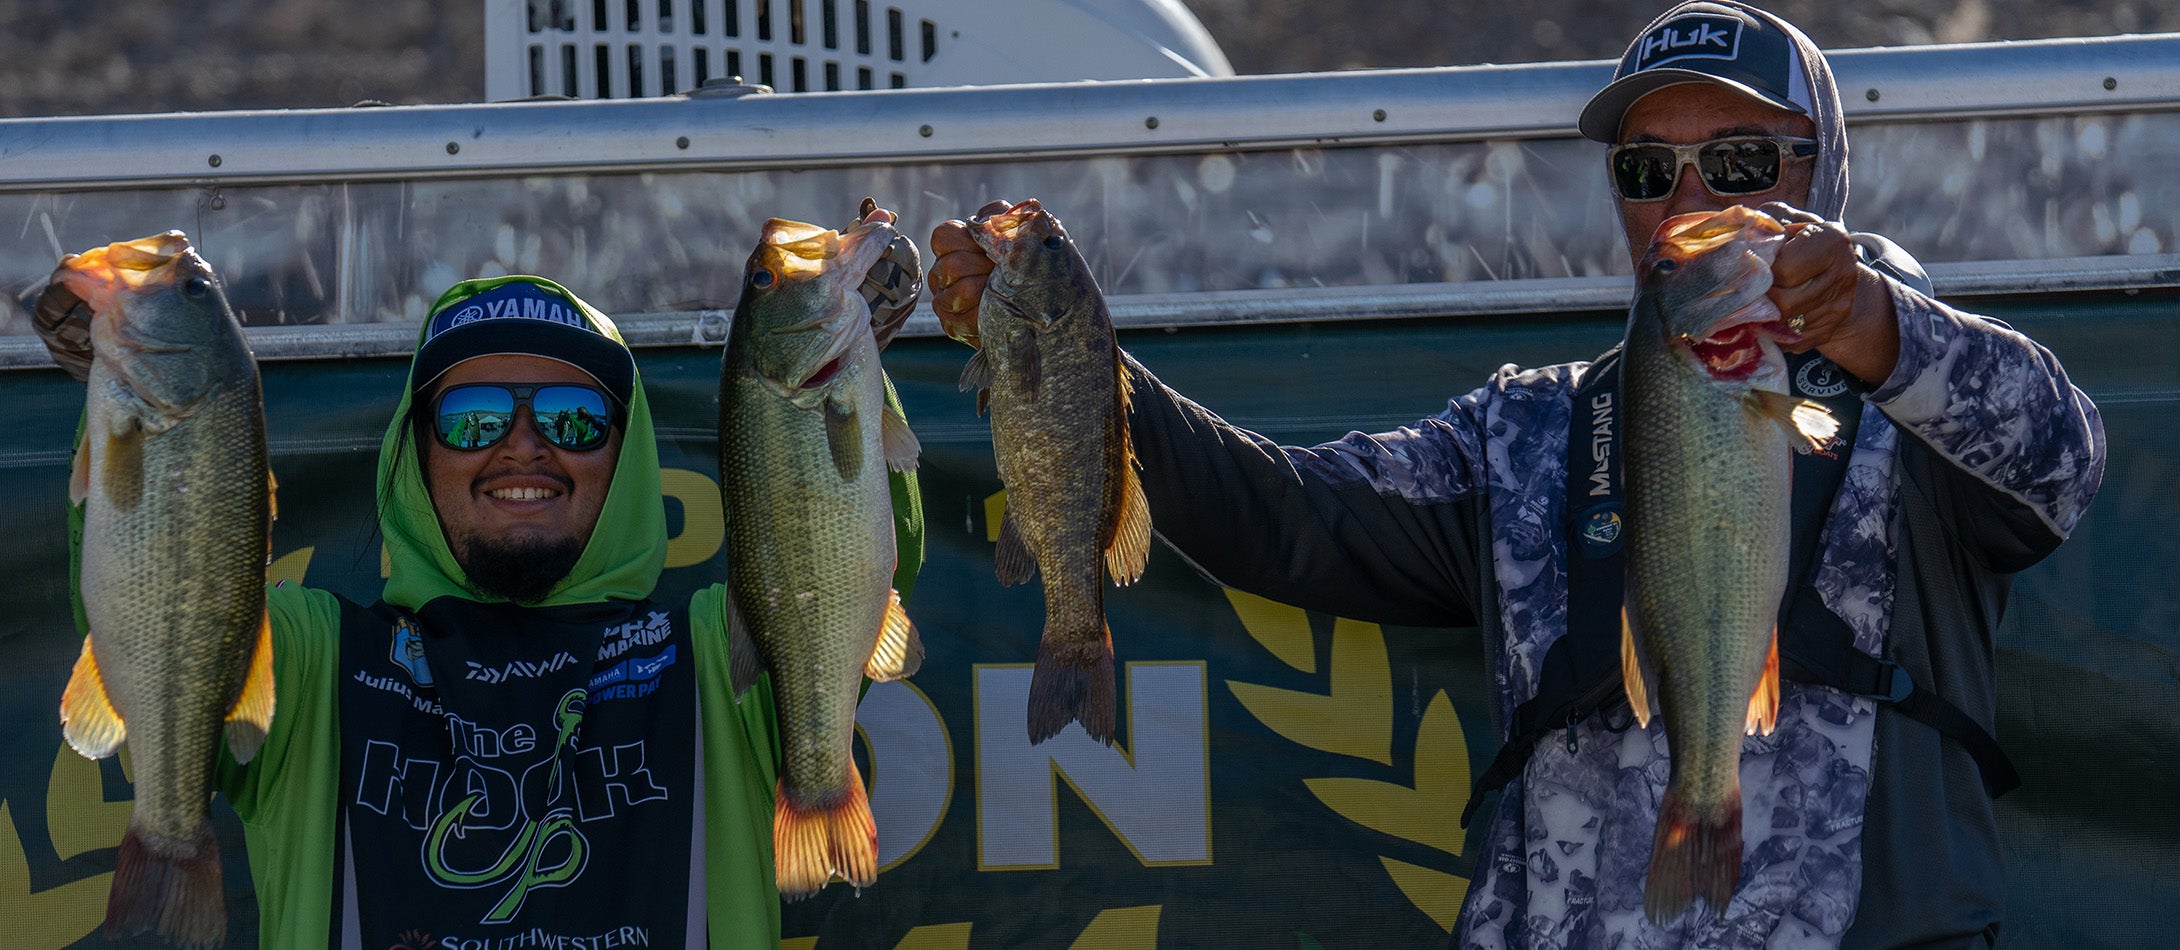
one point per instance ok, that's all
(805, 438)
(1051, 375)
(177, 520)
(1710, 436)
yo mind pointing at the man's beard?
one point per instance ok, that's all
(522, 570)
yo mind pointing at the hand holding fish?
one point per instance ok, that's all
(958, 275)
(1839, 306)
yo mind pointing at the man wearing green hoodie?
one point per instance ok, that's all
(516, 746)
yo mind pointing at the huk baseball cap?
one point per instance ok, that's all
(1703, 42)
(528, 316)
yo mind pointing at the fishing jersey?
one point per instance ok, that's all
(503, 767)
(1460, 519)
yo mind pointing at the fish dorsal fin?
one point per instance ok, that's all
(899, 652)
(88, 719)
(901, 445)
(1637, 674)
(251, 717)
(1012, 560)
(842, 438)
(1808, 425)
(743, 660)
(1764, 702)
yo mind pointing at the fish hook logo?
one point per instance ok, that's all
(523, 863)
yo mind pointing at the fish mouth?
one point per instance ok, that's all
(997, 230)
(100, 277)
(838, 260)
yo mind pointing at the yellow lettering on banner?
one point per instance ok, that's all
(798, 943)
(936, 937)
(1436, 893)
(1360, 702)
(78, 819)
(995, 511)
(1277, 627)
(1122, 928)
(290, 567)
(1354, 718)
(703, 522)
(1424, 814)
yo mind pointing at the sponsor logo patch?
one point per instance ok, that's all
(1697, 36)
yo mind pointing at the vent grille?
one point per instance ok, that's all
(617, 49)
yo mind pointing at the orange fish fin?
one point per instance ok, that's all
(123, 465)
(251, 718)
(1764, 702)
(1073, 682)
(1011, 560)
(831, 834)
(1130, 549)
(79, 471)
(1693, 855)
(272, 495)
(1636, 675)
(899, 442)
(1808, 425)
(899, 652)
(172, 885)
(88, 719)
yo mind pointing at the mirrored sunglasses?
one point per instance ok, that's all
(1732, 166)
(478, 415)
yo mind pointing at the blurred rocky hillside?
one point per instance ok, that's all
(75, 57)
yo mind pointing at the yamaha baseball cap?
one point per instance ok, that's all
(1703, 42)
(528, 316)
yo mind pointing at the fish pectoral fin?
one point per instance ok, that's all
(842, 438)
(900, 443)
(1808, 425)
(899, 653)
(1012, 560)
(742, 658)
(123, 465)
(251, 717)
(79, 471)
(1637, 676)
(88, 719)
(1764, 702)
(976, 374)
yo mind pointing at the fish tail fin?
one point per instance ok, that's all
(1636, 674)
(1764, 702)
(171, 886)
(899, 653)
(88, 719)
(1694, 855)
(830, 834)
(1073, 682)
(252, 714)
(1809, 426)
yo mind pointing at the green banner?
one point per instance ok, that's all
(1280, 779)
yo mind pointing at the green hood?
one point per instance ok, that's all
(626, 553)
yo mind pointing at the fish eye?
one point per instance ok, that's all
(196, 287)
(760, 278)
(1055, 241)
(1665, 266)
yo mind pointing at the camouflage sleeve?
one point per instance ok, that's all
(1378, 528)
(1995, 405)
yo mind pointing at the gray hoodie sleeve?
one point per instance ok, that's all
(1999, 409)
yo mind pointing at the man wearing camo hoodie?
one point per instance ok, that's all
(1867, 814)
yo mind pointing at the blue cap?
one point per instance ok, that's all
(1703, 42)
(527, 316)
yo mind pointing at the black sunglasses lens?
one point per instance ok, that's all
(473, 417)
(1739, 166)
(1644, 172)
(572, 417)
